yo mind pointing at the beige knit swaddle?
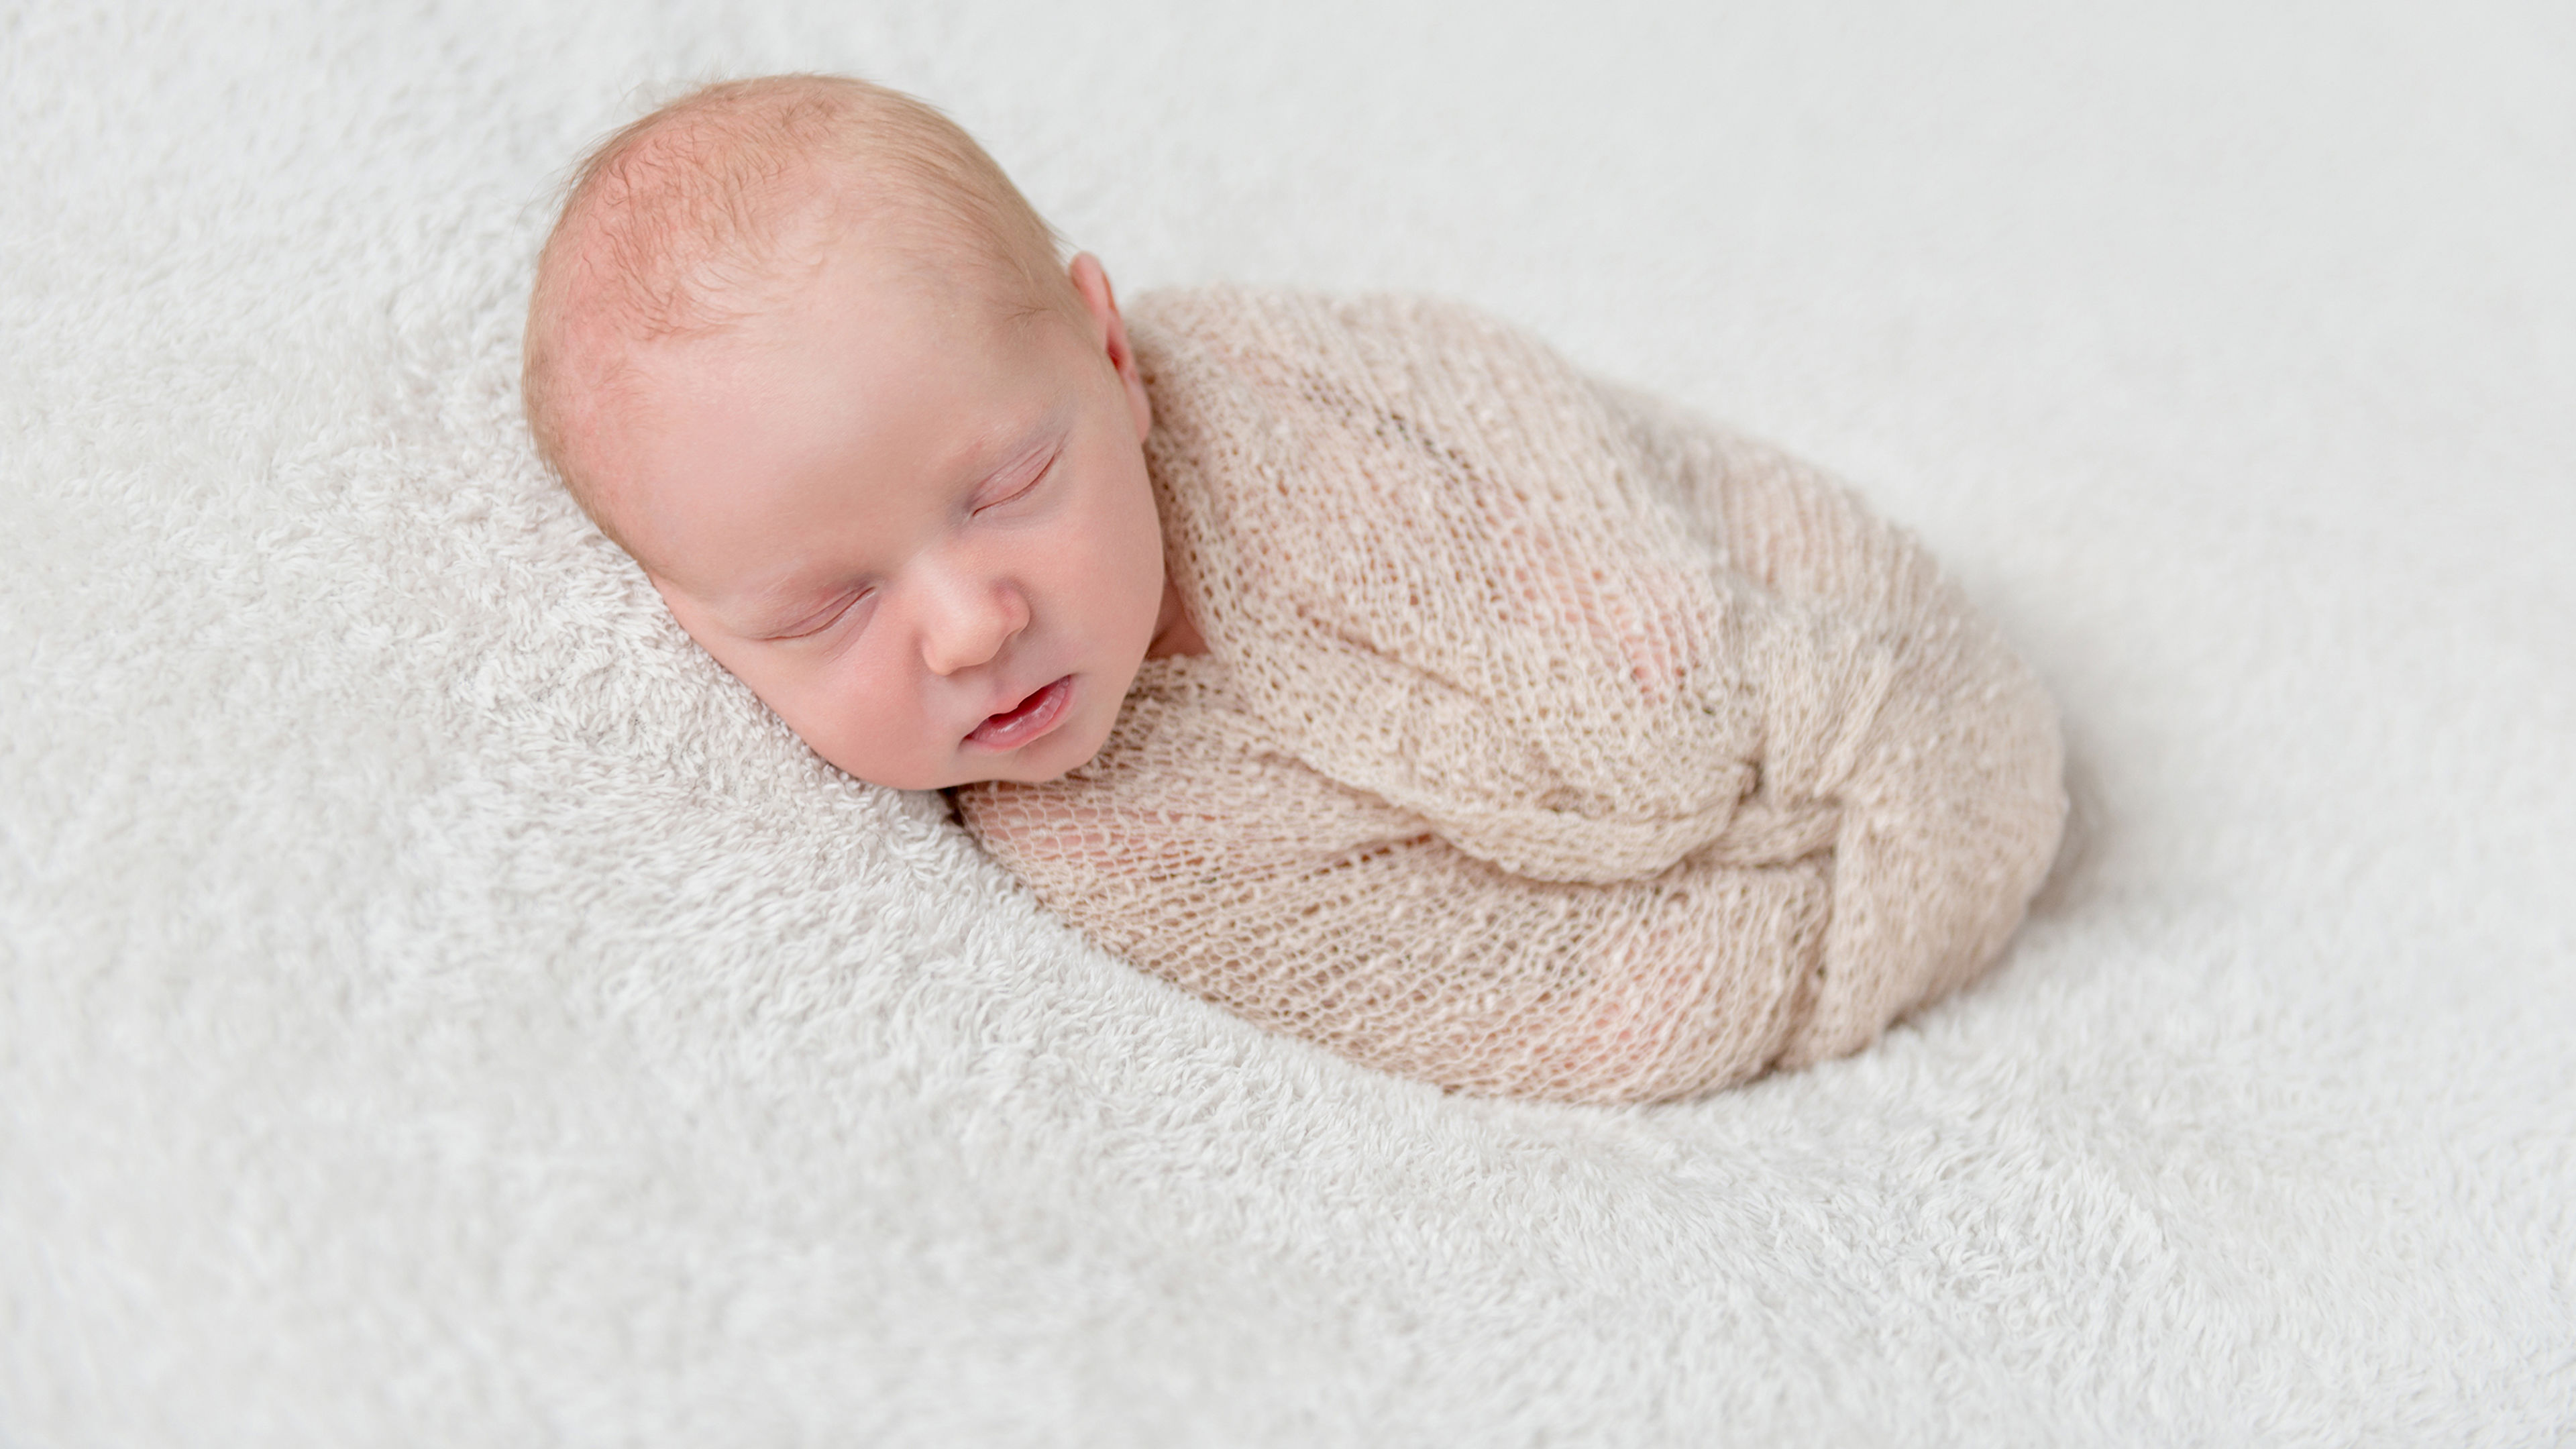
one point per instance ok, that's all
(1549, 743)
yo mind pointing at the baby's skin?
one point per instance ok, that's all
(803, 350)
(918, 528)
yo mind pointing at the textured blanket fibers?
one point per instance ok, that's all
(438, 1007)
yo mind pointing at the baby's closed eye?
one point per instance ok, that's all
(1016, 483)
(843, 607)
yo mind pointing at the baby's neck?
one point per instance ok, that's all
(1173, 631)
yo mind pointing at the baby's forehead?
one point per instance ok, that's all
(725, 430)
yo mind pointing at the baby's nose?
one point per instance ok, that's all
(968, 623)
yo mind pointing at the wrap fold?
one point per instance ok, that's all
(1549, 741)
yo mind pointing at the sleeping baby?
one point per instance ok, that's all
(1356, 664)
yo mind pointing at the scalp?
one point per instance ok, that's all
(701, 214)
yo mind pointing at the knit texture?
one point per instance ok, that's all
(1548, 742)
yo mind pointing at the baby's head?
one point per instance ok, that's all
(803, 350)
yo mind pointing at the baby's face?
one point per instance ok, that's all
(920, 529)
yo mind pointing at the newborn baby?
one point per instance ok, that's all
(1358, 665)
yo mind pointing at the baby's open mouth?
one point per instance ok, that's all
(1025, 721)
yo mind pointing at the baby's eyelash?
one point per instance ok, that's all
(826, 619)
(1022, 490)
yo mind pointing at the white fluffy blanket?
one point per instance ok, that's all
(437, 1007)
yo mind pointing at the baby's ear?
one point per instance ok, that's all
(1109, 333)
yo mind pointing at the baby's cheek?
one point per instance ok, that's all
(839, 723)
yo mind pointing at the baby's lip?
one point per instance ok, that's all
(1026, 720)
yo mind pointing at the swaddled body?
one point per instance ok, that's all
(1546, 742)
(1361, 665)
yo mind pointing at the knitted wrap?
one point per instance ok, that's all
(1549, 742)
